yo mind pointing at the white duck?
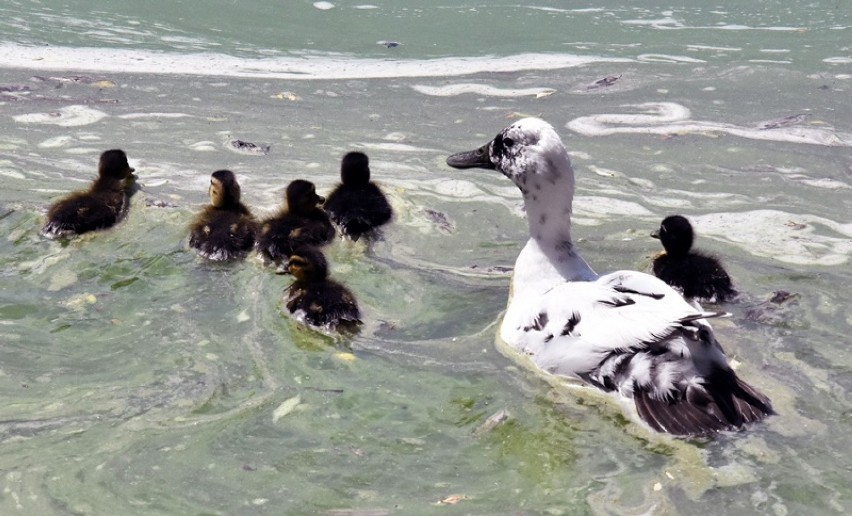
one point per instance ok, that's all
(625, 332)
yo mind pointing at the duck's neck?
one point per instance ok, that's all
(549, 258)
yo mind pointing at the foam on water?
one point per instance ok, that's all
(294, 68)
(481, 89)
(68, 116)
(669, 118)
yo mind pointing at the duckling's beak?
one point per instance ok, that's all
(478, 158)
(656, 234)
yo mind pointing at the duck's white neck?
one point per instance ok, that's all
(549, 258)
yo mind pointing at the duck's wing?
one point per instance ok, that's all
(631, 333)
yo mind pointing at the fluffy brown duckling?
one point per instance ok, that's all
(226, 229)
(301, 222)
(101, 206)
(314, 299)
(357, 205)
(699, 276)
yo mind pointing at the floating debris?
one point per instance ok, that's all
(103, 84)
(606, 82)
(158, 203)
(786, 121)
(493, 421)
(440, 219)
(285, 408)
(451, 500)
(244, 147)
(776, 310)
(286, 95)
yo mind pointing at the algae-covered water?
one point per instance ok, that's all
(139, 379)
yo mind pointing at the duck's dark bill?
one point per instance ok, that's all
(471, 159)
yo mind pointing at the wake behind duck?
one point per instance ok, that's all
(626, 332)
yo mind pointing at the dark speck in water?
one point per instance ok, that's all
(606, 82)
(244, 147)
(440, 219)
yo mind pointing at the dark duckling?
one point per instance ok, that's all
(357, 205)
(99, 207)
(226, 229)
(698, 276)
(317, 301)
(301, 222)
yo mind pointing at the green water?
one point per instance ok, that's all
(138, 379)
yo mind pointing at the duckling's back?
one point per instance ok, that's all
(358, 210)
(222, 235)
(82, 212)
(698, 276)
(278, 237)
(324, 304)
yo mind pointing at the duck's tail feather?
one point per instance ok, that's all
(722, 403)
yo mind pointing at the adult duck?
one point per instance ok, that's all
(627, 333)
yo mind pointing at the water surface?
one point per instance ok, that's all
(141, 380)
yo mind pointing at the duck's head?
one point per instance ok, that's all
(676, 235)
(308, 263)
(355, 169)
(529, 148)
(113, 164)
(302, 196)
(224, 190)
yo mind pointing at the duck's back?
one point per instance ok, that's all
(281, 235)
(327, 305)
(221, 235)
(82, 212)
(358, 210)
(698, 276)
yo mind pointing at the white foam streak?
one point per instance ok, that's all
(671, 119)
(787, 237)
(481, 89)
(306, 67)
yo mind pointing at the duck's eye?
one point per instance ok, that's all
(508, 142)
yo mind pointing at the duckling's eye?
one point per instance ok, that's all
(508, 142)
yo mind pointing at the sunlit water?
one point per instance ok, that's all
(138, 379)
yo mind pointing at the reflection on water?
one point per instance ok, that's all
(140, 379)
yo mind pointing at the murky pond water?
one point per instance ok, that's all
(138, 379)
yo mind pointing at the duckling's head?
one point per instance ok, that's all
(224, 190)
(355, 169)
(308, 263)
(302, 196)
(113, 164)
(676, 235)
(528, 152)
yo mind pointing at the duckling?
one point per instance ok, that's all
(300, 222)
(100, 207)
(226, 229)
(698, 276)
(357, 205)
(317, 301)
